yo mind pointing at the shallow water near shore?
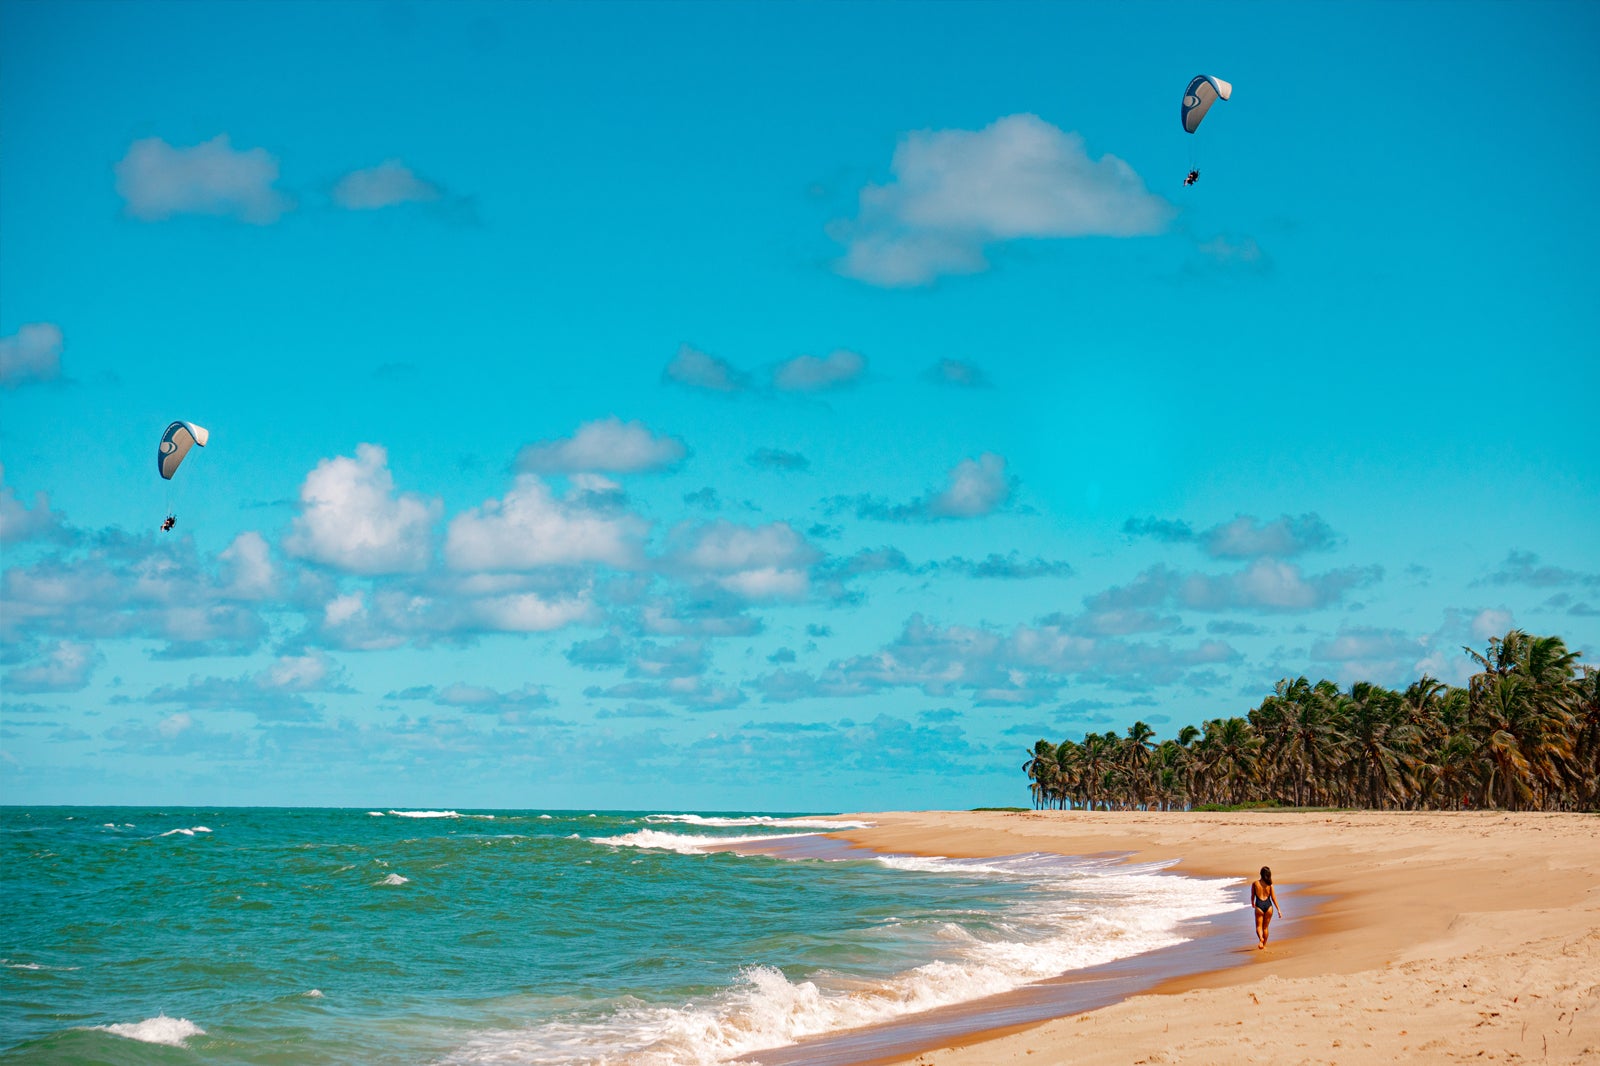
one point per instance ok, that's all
(535, 937)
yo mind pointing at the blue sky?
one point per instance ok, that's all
(775, 406)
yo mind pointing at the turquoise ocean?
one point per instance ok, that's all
(306, 936)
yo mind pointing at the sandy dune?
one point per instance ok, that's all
(1441, 938)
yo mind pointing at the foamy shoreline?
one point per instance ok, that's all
(1444, 937)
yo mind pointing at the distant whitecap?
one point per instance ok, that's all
(158, 1030)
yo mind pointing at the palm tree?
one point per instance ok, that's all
(1136, 759)
(1377, 737)
(1523, 734)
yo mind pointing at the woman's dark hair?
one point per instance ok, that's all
(1266, 876)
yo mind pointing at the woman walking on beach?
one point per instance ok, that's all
(1262, 900)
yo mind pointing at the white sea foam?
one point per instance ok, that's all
(682, 843)
(315, 993)
(439, 814)
(374, 814)
(759, 819)
(393, 879)
(186, 832)
(1084, 914)
(10, 965)
(158, 1030)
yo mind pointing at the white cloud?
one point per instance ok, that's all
(32, 353)
(149, 586)
(1246, 537)
(479, 698)
(67, 667)
(158, 181)
(954, 192)
(767, 562)
(385, 185)
(247, 567)
(315, 672)
(530, 528)
(977, 487)
(527, 612)
(1265, 585)
(277, 693)
(700, 370)
(392, 617)
(174, 724)
(607, 444)
(351, 519)
(1492, 622)
(1027, 666)
(1366, 653)
(973, 488)
(808, 373)
(20, 523)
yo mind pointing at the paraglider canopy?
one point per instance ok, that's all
(175, 444)
(1202, 92)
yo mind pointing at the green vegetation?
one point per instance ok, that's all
(1523, 735)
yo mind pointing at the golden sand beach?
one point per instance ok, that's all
(1463, 937)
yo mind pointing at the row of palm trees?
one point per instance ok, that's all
(1524, 734)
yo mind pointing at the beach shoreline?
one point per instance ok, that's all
(1441, 937)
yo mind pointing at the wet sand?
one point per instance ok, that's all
(1438, 938)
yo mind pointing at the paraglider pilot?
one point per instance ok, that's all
(172, 520)
(1194, 176)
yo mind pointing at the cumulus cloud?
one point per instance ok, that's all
(1249, 538)
(478, 699)
(66, 666)
(778, 459)
(1244, 537)
(700, 370)
(1265, 585)
(1010, 567)
(31, 354)
(352, 519)
(247, 569)
(685, 658)
(389, 617)
(275, 694)
(20, 523)
(1523, 568)
(158, 181)
(385, 185)
(119, 585)
(1025, 666)
(598, 653)
(529, 527)
(1369, 653)
(808, 373)
(975, 487)
(956, 192)
(703, 610)
(767, 562)
(695, 693)
(1170, 531)
(607, 445)
(957, 373)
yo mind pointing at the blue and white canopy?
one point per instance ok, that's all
(1202, 92)
(175, 444)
